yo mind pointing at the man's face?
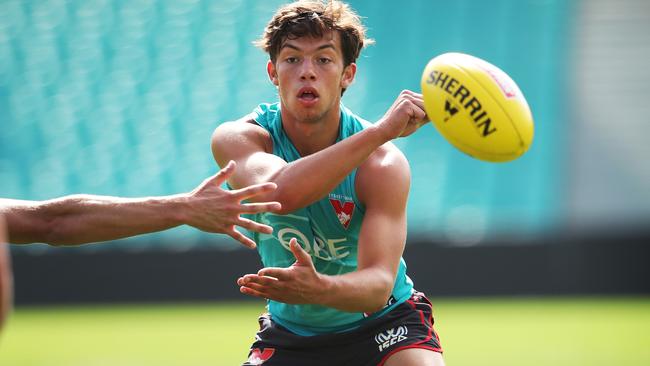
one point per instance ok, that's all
(309, 74)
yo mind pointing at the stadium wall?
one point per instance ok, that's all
(598, 264)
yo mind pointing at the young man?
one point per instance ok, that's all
(334, 278)
(79, 219)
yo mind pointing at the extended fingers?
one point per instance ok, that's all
(254, 190)
(274, 272)
(260, 207)
(253, 226)
(224, 173)
(253, 292)
(262, 286)
(302, 257)
(233, 233)
(256, 280)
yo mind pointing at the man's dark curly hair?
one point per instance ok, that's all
(314, 19)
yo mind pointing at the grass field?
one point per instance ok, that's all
(528, 331)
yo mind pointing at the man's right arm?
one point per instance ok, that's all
(300, 182)
(309, 178)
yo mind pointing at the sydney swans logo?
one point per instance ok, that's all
(343, 211)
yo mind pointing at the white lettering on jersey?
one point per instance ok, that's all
(325, 250)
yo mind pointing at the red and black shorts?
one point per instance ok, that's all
(409, 325)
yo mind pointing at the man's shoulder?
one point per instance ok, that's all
(253, 122)
(242, 130)
(386, 171)
(245, 125)
(386, 159)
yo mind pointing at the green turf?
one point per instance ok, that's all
(540, 331)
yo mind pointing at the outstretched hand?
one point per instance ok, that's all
(297, 284)
(213, 209)
(405, 116)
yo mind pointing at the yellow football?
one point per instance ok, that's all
(477, 107)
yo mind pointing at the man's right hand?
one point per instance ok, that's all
(404, 117)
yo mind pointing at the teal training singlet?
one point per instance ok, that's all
(327, 229)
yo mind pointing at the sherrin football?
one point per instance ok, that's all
(477, 107)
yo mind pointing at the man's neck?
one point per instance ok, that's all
(313, 136)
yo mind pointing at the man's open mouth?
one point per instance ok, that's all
(307, 94)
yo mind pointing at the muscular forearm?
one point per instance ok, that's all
(308, 179)
(82, 219)
(365, 290)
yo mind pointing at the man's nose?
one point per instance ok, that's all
(307, 71)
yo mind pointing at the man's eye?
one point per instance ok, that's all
(292, 60)
(324, 60)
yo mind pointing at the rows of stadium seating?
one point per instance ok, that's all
(120, 98)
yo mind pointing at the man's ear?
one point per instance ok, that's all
(348, 75)
(273, 74)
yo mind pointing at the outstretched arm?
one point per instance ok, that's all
(79, 219)
(6, 282)
(308, 179)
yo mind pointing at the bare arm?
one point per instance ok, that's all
(6, 282)
(308, 179)
(384, 191)
(383, 184)
(79, 219)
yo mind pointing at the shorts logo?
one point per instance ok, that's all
(344, 211)
(258, 356)
(391, 337)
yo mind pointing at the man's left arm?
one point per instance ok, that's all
(382, 185)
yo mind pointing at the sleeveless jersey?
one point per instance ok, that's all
(327, 229)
